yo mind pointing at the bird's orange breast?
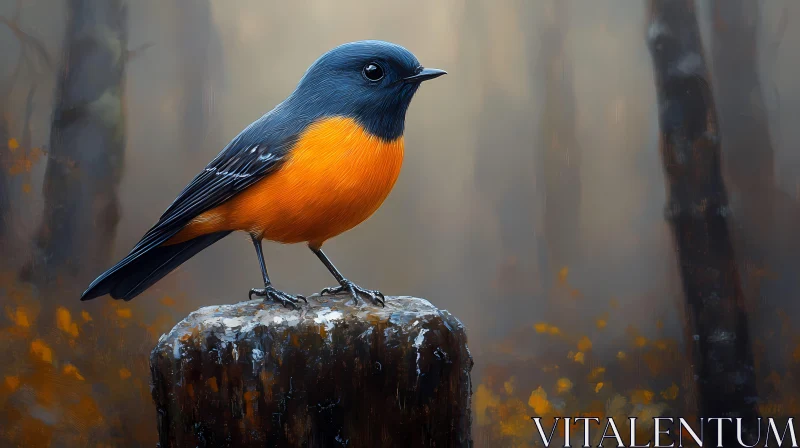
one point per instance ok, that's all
(334, 178)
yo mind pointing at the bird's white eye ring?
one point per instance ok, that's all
(373, 72)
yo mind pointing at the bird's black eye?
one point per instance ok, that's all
(373, 72)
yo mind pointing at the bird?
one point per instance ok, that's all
(317, 165)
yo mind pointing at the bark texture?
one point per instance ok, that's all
(697, 211)
(87, 142)
(332, 374)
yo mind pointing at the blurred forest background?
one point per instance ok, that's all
(531, 204)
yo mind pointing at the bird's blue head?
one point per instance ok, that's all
(370, 81)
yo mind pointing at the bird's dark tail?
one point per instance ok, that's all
(131, 276)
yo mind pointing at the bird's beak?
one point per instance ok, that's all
(425, 74)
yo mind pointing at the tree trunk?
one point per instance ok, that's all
(560, 155)
(697, 211)
(256, 374)
(87, 143)
(199, 71)
(31, 57)
(759, 238)
(749, 157)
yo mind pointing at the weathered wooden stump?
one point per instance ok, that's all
(332, 374)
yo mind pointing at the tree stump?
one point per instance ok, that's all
(330, 374)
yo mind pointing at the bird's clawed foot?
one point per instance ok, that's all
(348, 287)
(270, 293)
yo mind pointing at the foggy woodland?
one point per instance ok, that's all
(595, 190)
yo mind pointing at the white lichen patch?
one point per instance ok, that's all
(420, 338)
(328, 315)
(328, 318)
(176, 349)
(203, 313)
(291, 320)
(257, 356)
(234, 322)
(418, 344)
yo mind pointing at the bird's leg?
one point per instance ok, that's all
(345, 285)
(269, 292)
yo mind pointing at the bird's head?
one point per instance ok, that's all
(370, 81)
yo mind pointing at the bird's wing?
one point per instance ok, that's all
(251, 156)
(238, 166)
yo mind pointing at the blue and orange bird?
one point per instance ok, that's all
(317, 165)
